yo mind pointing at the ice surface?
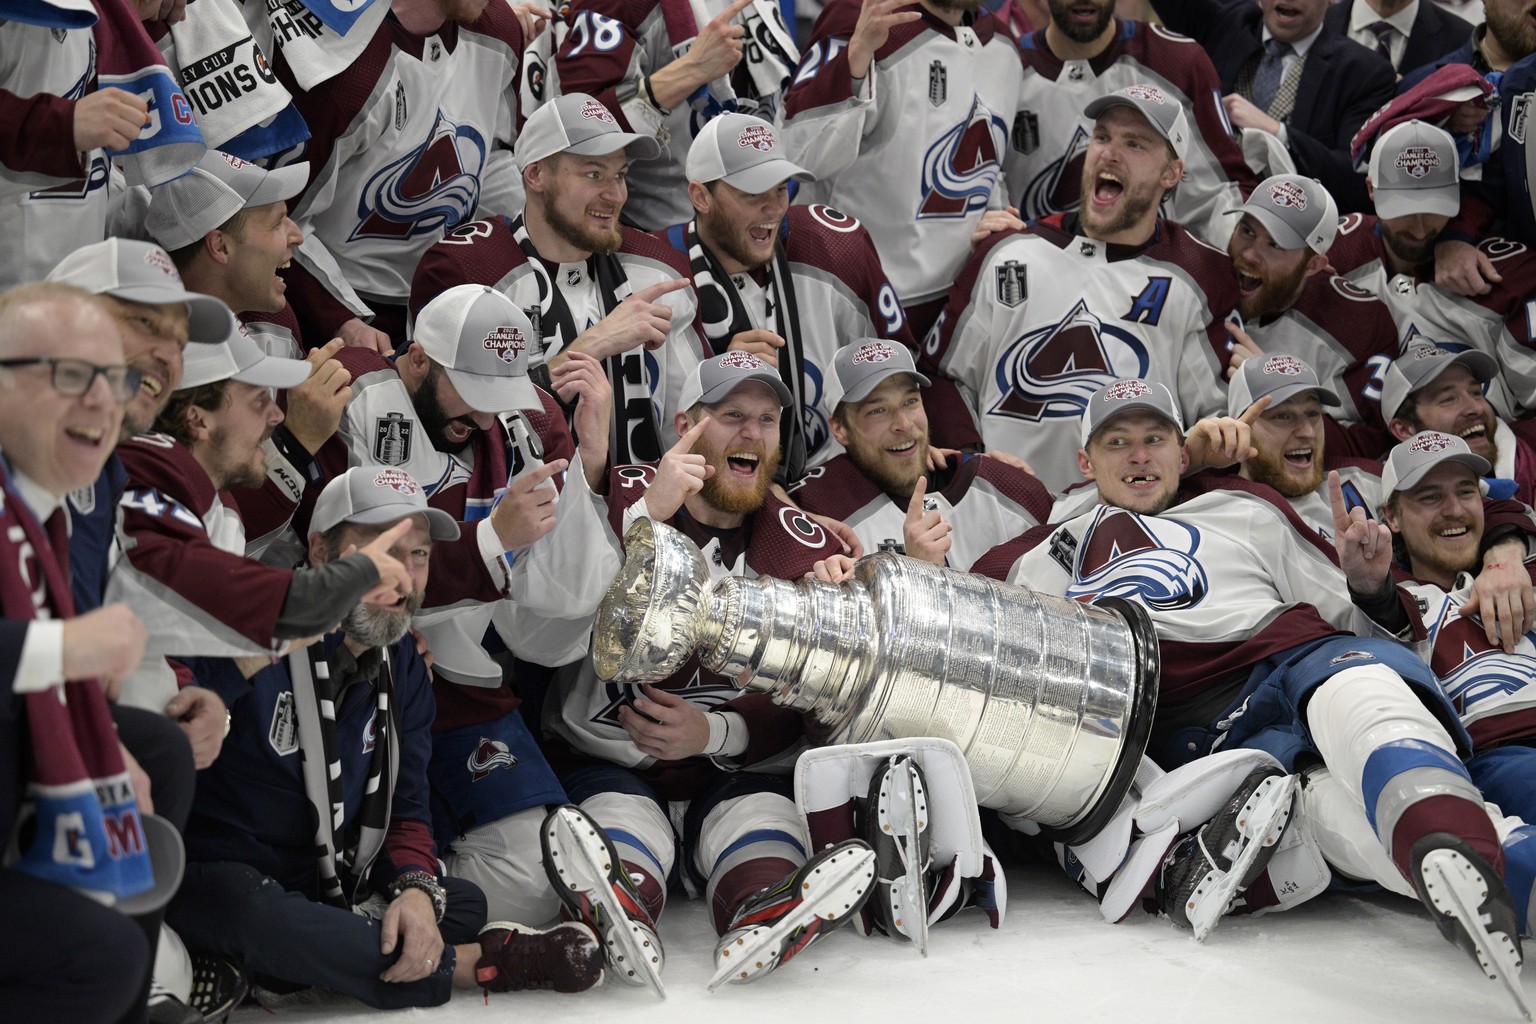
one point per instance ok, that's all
(1336, 959)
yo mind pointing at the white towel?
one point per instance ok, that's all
(314, 51)
(223, 71)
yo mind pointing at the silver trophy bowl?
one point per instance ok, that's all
(1051, 700)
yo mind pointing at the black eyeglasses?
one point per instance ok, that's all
(74, 377)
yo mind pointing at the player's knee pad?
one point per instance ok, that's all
(1335, 819)
(639, 829)
(505, 860)
(1362, 709)
(748, 827)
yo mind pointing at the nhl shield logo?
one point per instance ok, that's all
(487, 757)
(392, 439)
(1012, 283)
(938, 83)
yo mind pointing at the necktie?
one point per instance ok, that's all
(1383, 38)
(1266, 82)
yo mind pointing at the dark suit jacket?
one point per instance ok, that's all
(1342, 85)
(1434, 34)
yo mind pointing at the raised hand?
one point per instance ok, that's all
(639, 320)
(581, 379)
(680, 474)
(1220, 441)
(876, 19)
(315, 406)
(109, 119)
(526, 509)
(1364, 546)
(926, 534)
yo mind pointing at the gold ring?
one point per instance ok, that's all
(429, 961)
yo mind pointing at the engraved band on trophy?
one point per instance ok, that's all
(1051, 700)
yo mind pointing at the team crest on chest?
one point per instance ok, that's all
(1053, 370)
(1120, 556)
(487, 757)
(392, 439)
(428, 191)
(962, 167)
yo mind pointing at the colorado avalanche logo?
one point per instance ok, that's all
(1127, 390)
(873, 352)
(758, 137)
(1053, 371)
(507, 342)
(1432, 441)
(397, 480)
(428, 191)
(802, 527)
(1288, 193)
(812, 412)
(487, 757)
(1478, 677)
(1287, 366)
(1417, 161)
(1059, 187)
(962, 167)
(1120, 557)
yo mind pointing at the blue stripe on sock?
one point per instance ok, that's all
(1520, 871)
(632, 841)
(1392, 759)
(762, 835)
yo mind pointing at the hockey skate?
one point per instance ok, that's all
(566, 958)
(782, 920)
(896, 828)
(1206, 871)
(1471, 906)
(586, 872)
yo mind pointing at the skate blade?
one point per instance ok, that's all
(633, 957)
(1265, 818)
(902, 814)
(1456, 889)
(834, 892)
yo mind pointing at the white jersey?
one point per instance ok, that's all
(44, 218)
(1050, 134)
(916, 153)
(1042, 318)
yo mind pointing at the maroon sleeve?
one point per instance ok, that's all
(480, 252)
(38, 135)
(822, 78)
(1357, 243)
(1360, 440)
(998, 563)
(164, 538)
(598, 48)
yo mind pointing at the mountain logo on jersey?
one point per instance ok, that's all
(1119, 556)
(100, 170)
(1052, 371)
(961, 169)
(1058, 188)
(487, 757)
(507, 342)
(1417, 161)
(705, 690)
(428, 191)
(1475, 674)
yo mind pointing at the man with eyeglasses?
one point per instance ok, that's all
(63, 392)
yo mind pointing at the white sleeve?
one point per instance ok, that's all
(41, 664)
(826, 140)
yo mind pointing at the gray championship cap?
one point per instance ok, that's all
(743, 151)
(860, 366)
(1162, 110)
(1415, 169)
(716, 377)
(141, 272)
(378, 496)
(240, 358)
(577, 123)
(1411, 460)
(1281, 377)
(1297, 211)
(1420, 365)
(219, 186)
(1127, 395)
(482, 339)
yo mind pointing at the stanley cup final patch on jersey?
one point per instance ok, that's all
(392, 439)
(938, 83)
(1012, 283)
(1025, 137)
(284, 732)
(1519, 114)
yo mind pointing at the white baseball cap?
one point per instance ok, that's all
(482, 339)
(375, 496)
(716, 377)
(1297, 211)
(743, 151)
(240, 358)
(1162, 110)
(577, 123)
(1414, 168)
(135, 271)
(1411, 460)
(218, 186)
(1127, 395)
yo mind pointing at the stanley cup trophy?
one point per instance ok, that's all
(1050, 700)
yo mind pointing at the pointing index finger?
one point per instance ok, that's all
(1251, 415)
(686, 442)
(915, 506)
(730, 12)
(652, 292)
